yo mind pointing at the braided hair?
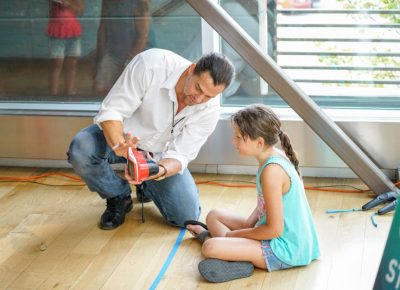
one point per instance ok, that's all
(261, 121)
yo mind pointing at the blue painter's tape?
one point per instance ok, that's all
(169, 259)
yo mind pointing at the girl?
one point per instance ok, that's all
(64, 31)
(280, 233)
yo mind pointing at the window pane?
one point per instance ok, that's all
(260, 24)
(341, 53)
(49, 52)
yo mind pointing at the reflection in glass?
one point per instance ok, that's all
(258, 19)
(64, 31)
(118, 29)
(340, 56)
(125, 30)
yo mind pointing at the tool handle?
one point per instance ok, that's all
(389, 207)
(384, 197)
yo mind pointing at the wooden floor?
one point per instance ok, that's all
(49, 240)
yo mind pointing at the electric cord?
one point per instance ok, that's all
(216, 182)
(42, 183)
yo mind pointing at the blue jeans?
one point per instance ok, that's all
(176, 197)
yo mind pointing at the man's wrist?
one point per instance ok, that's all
(162, 176)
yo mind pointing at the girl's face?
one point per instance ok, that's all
(244, 147)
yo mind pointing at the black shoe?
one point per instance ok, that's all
(114, 215)
(140, 195)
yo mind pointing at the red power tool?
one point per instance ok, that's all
(139, 165)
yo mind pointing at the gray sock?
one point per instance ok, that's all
(203, 236)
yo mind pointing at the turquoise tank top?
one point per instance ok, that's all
(298, 245)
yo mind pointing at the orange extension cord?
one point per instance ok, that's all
(217, 183)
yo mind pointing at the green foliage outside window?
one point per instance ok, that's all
(377, 61)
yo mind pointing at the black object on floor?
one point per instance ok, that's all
(387, 197)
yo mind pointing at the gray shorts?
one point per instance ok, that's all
(108, 70)
(272, 261)
(63, 47)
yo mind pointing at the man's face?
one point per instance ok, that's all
(200, 89)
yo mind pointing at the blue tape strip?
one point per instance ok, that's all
(351, 210)
(169, 259)
(343, 210)
(373, 220)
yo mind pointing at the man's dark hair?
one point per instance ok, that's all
(219, 66)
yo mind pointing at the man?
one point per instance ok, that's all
(170, 104)
(125, 30)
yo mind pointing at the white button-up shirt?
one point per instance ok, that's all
(143, 98)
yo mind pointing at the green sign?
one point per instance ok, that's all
(388, 277)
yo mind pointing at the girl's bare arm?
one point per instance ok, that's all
(274, 182)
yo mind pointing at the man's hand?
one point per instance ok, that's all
(121, 148)
(131, 180)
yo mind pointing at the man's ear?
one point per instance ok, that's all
(191, 68)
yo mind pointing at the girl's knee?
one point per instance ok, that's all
(213, 215)
(208, 248)
(212, 248)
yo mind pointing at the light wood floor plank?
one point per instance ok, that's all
(112, 254)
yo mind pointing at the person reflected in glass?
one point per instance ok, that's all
(64, 31)
(124, 31)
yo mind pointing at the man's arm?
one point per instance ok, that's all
(125, 96)
(172, 166)
(113, 132)
(142, 16)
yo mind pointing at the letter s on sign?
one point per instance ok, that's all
(391, 275)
